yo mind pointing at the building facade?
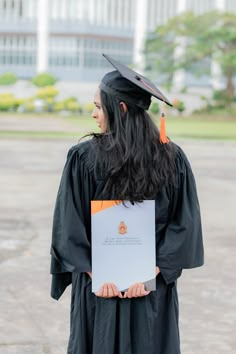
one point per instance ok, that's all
(78, 31)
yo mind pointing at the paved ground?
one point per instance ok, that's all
(32, 323)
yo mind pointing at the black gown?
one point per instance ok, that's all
(122, 326)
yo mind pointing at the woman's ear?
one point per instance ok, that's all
(123, 107)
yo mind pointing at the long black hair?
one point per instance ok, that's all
(136, 165)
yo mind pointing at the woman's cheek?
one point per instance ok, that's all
(103, 127)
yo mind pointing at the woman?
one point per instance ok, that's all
(129, 160)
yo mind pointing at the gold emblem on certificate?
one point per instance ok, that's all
(122, 229)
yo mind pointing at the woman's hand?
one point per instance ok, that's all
(109, 290)
(90, 274)
(157, 270)
(136, 290)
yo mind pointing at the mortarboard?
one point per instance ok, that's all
(133, 88)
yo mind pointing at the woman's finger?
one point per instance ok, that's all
(120, 295)
(114, 289)
(142, 290)
(126, 294)
(116, 292)
(100, 292)
(134, 290)
(157, 270)
(138, 292)
(145, 292)
(105, 290)
(110, 290)
(130, 292)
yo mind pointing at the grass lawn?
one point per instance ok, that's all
(77, 126)
(201, 129)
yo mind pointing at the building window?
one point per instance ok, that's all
(20, 9)
(63, 51)
(16, 50)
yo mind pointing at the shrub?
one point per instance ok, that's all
(8, 79)
(8, 102)
(179, 105)
(49, 100)
(44, 79)
(47, 92)
(72, 104)
(19, 102)
(219, 102)
(221, 98)
(59, 106)
(88, 107)
(71, 99)
(29, 105)
(155, 109)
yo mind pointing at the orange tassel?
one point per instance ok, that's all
(163, 137)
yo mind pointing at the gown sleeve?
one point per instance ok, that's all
(70, 247)
(181, 246)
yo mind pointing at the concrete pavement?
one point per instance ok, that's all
(31, 322)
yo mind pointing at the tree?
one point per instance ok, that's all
(208, 36)
(8, 79)
(44, 79)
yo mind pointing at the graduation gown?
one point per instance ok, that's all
(122, 326)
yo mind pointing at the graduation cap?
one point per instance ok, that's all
(133, 88)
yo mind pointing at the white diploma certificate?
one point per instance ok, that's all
(123, 244)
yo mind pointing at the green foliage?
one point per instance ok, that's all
(44, 101)
(220, 103)
(71, 104)
(88, 107)
(8, 79)
(49, 101)
(8, 102)
(29, 105)
(221, 98)
(47, 92)
(59, 106)
(203, 37)
(179, 105)
(155, 109)
(44, 79)
(216, 112)
(70, 99)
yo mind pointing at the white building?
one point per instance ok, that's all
(69, 44)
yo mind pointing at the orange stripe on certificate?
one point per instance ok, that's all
(99, 205)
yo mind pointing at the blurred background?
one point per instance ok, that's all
(50, 66)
